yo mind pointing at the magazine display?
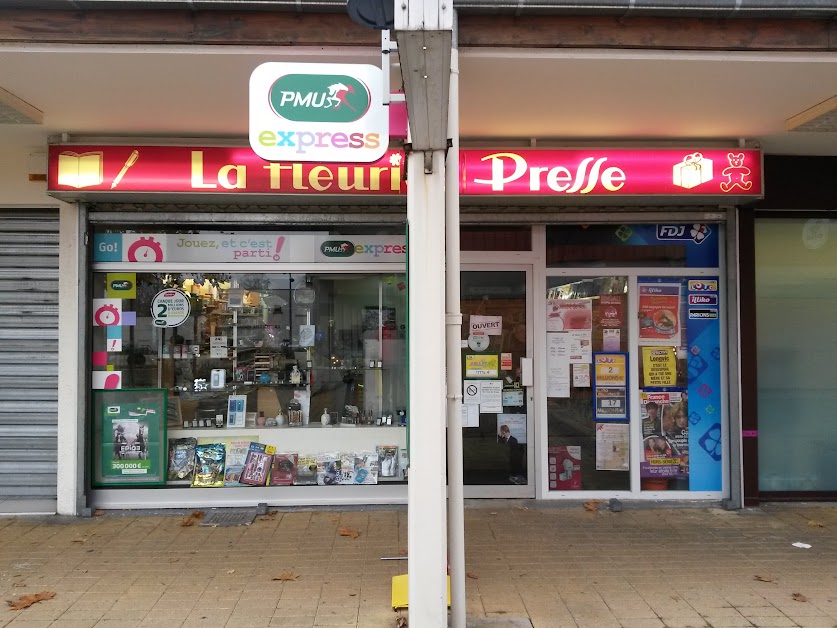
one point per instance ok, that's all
(328, 469)
(306, 471)
(181, 459)
(347, 468)
(388, 461)
(236, 457)
(257, 464)
(283, 471)
(366, 468)
(209, 465)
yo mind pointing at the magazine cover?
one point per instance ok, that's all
(387, 461)
(209, 465)
(257, 465)
(366, 468)
(328, 469)
(236, 457)
(283, 471)
(306, 471)
(347, 467)
(665, 432)
(181, 460)
(404, 464)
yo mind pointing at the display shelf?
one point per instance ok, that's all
(309, 439)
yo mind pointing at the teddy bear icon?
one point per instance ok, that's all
(736, 173)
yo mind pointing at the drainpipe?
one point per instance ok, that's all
(453, 330)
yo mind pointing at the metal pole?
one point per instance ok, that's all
(426, 515)
(453, 322)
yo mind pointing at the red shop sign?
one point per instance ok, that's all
(579, 173)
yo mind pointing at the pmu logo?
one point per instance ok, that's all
(319, 98)
(695, 232)
(337, 248)
(121, 285)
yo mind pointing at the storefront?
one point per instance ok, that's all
(260, 350)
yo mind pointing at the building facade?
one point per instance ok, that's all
(605, 221)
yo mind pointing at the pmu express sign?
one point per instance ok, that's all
(318, 112)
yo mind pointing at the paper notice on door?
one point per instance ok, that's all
(471, 390)
(557, 364)
(581, 346)
(491, 396)
(470, 415)
(581, 375)
(612, 446)
(218, 347)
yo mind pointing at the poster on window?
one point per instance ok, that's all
(665, 434)
(564, 468)
(129, 437)
(569, 314)
(612, 450)
(659, 314)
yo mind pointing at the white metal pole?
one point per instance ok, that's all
(453, 322)
(426, 516)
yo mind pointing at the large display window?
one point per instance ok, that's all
(271, 378)
(635, 394)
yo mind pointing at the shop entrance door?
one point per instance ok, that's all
(498, 429)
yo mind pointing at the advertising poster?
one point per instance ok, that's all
(659, 314)
(569, 314)
(557, 365)
(511, 426)
(564, 468)
(665, 434)
(659, 366)
(612, 450)
(129, 437)
(610, 314)
(482, 365)
(611, 404)
(610, 369)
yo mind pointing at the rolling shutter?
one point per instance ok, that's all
(28, 353)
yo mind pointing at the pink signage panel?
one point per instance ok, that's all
(579, 173)
(590, 172)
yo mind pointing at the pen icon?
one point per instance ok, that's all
(130, 162)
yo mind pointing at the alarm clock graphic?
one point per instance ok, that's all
(106, 316)
(145, 250)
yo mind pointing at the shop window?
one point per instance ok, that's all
(270, 378)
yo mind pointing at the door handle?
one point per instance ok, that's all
(527, 376)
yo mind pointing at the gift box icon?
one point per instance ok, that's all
(692, 171)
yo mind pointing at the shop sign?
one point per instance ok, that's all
(246, 247)
(318, 112)
(570, 173)
(611, 172)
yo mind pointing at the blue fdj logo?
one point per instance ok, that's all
(695, 232)
(107, 247)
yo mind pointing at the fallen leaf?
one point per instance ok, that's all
(352, 594)
(349, 532)
(472, 575)
(25, 601)
(402, 551)
(78, 541)
(763, 579)
(287, 576)
(231, 571)
(815, 524)
(401, 622)
(98, 512)
(593, 505)
(799, 597)
(192, 519)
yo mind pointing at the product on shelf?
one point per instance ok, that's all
(209, 465)
(366, 468)
(236, 457)
(328, 469)
(283, 471)
(257, 464)
(306, 471)
(388, 461)
(181, 459)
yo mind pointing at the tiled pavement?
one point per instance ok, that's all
(559, 566)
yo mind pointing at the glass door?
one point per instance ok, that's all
(497, 413)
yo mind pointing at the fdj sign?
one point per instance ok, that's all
(318, 112)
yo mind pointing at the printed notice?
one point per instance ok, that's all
(659, 366)
(491, 396)
(217, 346)
(482, 365)
(488, 325)
(470, 415)
(557, 364)
(612, 446)
(581, 375)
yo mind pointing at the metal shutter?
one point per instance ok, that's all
(28, 353)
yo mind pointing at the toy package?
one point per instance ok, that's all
(257, 465)
(209, 465)
(283, 471)
(181, 459)
(237, 451)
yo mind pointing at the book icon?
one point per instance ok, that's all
(80, 170)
